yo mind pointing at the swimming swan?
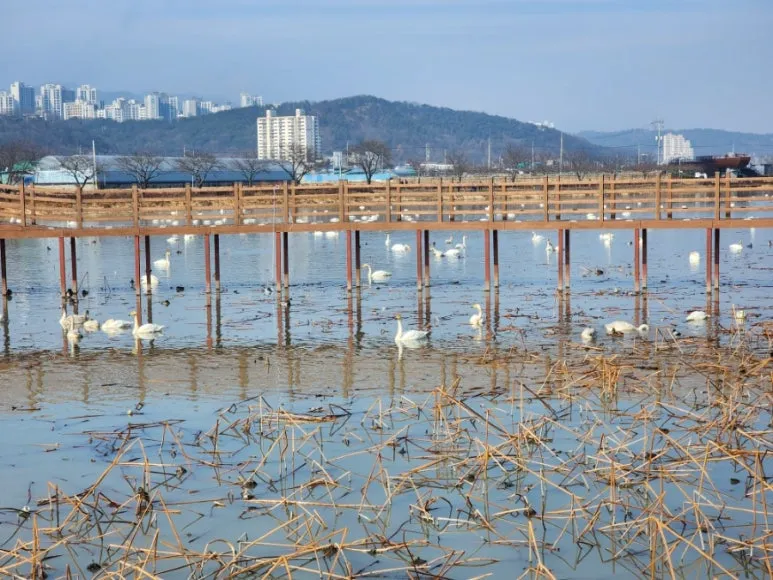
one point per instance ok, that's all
(378, 275)
(476, 319)
(697, 315)
(148, 330)
(408, 335)
(401, 248)
(619, 326)
(163, 263)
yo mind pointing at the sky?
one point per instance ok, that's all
(580, 64)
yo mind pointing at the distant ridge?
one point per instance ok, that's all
(406, 127)
(704, 141)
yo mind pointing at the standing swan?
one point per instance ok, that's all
(163, 263)
(148, 330)
(378, 275)
(409, 336)
(388, 241)
(476, 319)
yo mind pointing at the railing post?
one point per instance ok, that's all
(612, 197)
(23, 203)
(135, 208)
(491, 200)
(388, 201)
(670, 192)
(717, 194)
(237, 204)
(188, 205)
(345, 202)
(558, 197)
(657, 196)
(601, 200)
(285, 203)
(399, 196)
(33, 219)
(504, 200)
(728, 195)
(440, 201)
(79, 207)
(545, 198)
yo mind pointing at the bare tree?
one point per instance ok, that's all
(198, 165)
(17, 159)
(81, 168)
(372, 156)
(143, 167)
(249, 166)
(460, 164)
(580, 162)
(513, 157)
(298, 161)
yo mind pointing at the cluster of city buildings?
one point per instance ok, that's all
(54, 101)
(675, 147)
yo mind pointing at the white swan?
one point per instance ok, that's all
(388, 241)
(619, 326)
(401, 248)
(409, 335)
(588, 334)
(75, 319)
(144, 281)
(450, 240)
(695, 258)
(90, 325)
(437, 253)
(463, 245)
(696, 316)
(148, 330)
(173, 240)
(378, 275)
(738, 314)
(453, 253)
(550, 248)
(163, 263)
(73, 334)
(115, 325)
(476, 319)
(737, 247)
(536, 238)
(331, 234)
(606, 237)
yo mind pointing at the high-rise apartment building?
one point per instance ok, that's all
(7, 104)
(79, 110)
(52, 99)
(87, 94)
(24, 98)
(152, 106)
(174, 108)
(247, 100)
(278, 136)
(676, 147)
(191, 107)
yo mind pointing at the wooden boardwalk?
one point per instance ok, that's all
(559, 203)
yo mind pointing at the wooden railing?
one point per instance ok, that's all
(601, 199)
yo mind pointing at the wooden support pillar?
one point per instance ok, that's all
(426, 258)
(644, 259)
(560, 256)
(3, 270)
(716, 259)
(207, 266)
(62, 269)
(495, 239)
(636, 261)
(286, 260)
(278, 263)
(148, 271)
(357, 259)
(217, 263)
(709, 260)
(348, 260)
(137, 270)
(567, 260)
(74, 269)
(419, 257)
(486, 261)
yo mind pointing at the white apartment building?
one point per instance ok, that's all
(247, 100)
(676, 147)
(190, 107)
(24, 98)
(152, 106)
(7, 104)
(79, 110)
(87, 94)
(51, 100)
(278, 135)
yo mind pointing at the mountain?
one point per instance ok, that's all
(406, 127)
(704, 141)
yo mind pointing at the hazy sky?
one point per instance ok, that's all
(582, 64)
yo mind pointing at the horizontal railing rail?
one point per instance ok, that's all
(601, 198)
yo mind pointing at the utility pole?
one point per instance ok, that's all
(658, 124)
